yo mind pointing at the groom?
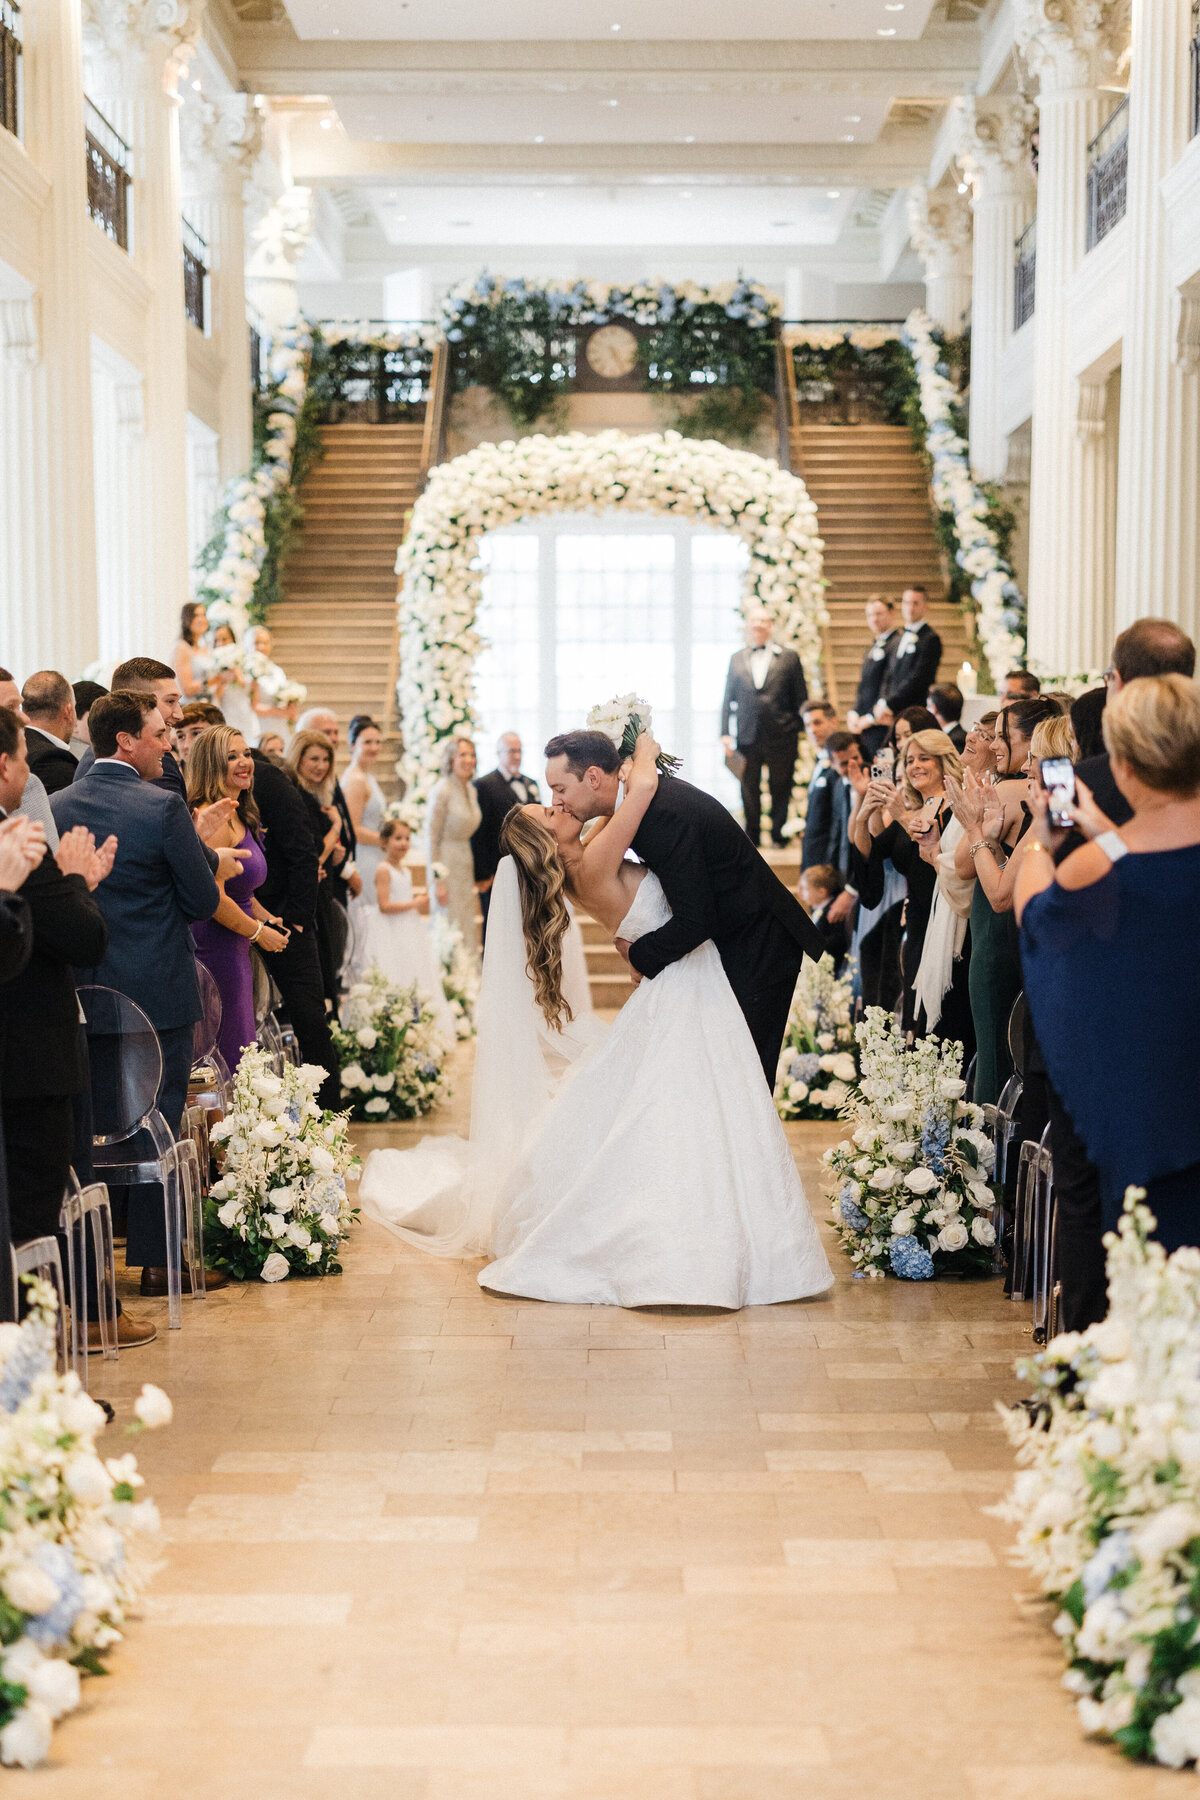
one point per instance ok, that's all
(716, 883)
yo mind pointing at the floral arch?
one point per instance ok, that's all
(497, 485)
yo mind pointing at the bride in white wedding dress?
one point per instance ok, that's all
(640, 1164)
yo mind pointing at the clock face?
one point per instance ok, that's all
(612, 352)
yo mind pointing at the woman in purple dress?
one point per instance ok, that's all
(220, 767)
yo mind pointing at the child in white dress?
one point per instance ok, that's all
(399, 942)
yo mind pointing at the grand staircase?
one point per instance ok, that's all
(872, 497)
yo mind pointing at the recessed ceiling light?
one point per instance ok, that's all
(615, 28)
(894, 6)
(336, 31)
(848, 138)
(461, 224)
(686, 194)
(610, 103)
(782, 224)
(853, 118)
(539, 140)
(962, 187)
(834, 194)
(885, 31)
(196, 85)
(326, 124)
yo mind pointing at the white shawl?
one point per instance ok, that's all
(946, 931)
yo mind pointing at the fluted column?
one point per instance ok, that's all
(940, 227)
(136, 55)
(47, 536)
(1067, 44)
(1158, 495)
(994, 156)
(220, 139)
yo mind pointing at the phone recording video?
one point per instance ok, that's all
(1058, 779)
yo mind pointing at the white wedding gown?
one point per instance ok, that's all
(651, 1169)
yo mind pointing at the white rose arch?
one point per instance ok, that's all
(496, 485)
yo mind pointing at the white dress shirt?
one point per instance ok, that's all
(760, 662)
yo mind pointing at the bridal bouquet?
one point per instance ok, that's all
(280, 1206)
(623, 719)
(74, 1538)
(393, 1062)
(1107, 1504)
(817, 1065)
(460, 975)
(913, 1197)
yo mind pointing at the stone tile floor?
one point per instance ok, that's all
(427, 1544)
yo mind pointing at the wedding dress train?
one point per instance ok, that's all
(647, 1168)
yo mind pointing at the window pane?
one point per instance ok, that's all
(506, 675)
(718, 566)
(615, 623)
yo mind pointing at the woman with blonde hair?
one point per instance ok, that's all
(453, 818)
(638, 1165)
(220, 767)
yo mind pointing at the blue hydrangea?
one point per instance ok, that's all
(804, 1067)
(1114, 1554)
(30, 1357)
(852, 1214)
(935, 1138)
(51, 1628)
(910, 1260)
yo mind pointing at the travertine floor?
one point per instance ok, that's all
(424, 1544)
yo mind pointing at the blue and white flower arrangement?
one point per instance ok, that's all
(1107, 1502)
(280, 1206)
(590, 302)
(818, 1065)
(393, 1060)
(911, 1195)
(75, 1540)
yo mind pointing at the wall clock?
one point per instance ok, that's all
(612, 352)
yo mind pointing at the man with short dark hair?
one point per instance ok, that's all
(1019, 684)
(146, 675)
(820, 722)
(946, 704)
(914, 662)
(48, 702)
(881, 623)
(1147, 647)
(826, 839)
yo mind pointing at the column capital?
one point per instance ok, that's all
(1071, 44)
(939, 225)
(993, 143)
(144, 35)
(218, 137)
(283, 232)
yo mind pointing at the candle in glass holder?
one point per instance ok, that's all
(968, 680)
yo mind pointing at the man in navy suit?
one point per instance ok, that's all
(764, 692)
(161, 881)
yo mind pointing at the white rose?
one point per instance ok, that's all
(1165, 1531)
(49, 1680)
(88, 1479)
(953, 1236)
(30, 1589)
(228, 1213)
(367, 1036)
(267, 1134)
(843, 1066)
(1115, 1386)
(321, 1160)
(862, 1168)
(153, 1407)
(266, 1086)
(314, 1253)
(920, 1181)
(983, 1231)
(1175, 1735)
(385, 1083)
(882, 1180)
(825, 1040)
(25, 1740)
(299, 1235)
(903, 1151)
(274, 1224)
(826, 1064)
(80, 1415)
(377, 1106)
(836, 1094)
(353, 1077)
(797, 1091)
(904, 1224)
(276, 1268)
(952, 1090)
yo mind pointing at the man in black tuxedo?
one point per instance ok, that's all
(22, 847)
(881, 623)
(914, 665)
(717, 885)
(498, 793)
(48, 702)
(945, 702)
(764, 691)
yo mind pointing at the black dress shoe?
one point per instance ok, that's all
(154, 1282)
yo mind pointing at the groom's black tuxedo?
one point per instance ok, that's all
(719, 887)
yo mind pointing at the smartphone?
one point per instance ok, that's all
(1058, 779)
(884, 764)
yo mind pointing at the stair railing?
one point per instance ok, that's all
(787, 405)
(433, 437)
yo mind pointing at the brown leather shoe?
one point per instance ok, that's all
(154, 1282)
(131, 1333)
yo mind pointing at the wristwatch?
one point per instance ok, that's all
(1112, 844)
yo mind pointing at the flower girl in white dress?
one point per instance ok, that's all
(399, 943)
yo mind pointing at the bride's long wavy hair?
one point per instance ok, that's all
(541, 882)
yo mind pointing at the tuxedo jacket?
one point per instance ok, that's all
(160, 883)
(43, 1055)
(16, 936)
(718, 887)
(874, 671)
(497, 796)
(766, 715)
(48, 760)
(293, 861)
(826, 820)
(348, 838)
(913, 668)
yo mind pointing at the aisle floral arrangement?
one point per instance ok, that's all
(1107, 1504)
(818, 1065)
(460, 974)
(393, 1062)
(75, 1541)
(913, 1197)
(496, 485)
(280, 1206)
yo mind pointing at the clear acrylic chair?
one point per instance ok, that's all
(1047, 1288)
(83, 1210)
(1016, 1034)
(40, 1257)
(126, 1069)
(1035, 1175)
(1000, 1123)
(211, 1083)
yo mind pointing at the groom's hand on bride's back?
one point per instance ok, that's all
(622, 945)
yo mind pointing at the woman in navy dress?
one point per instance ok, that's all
(1108, 945)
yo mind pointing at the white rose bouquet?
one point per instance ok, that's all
(75, 1540)
(393, 1061)
(623, 719)
(1107, 1503)
(280, 1206)
(818, 1064)
(912, 1196)
(460, 975)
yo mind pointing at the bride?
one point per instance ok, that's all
(637, 1165)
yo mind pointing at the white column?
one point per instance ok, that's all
(47, 543)
(278, 242)
(220, 139)
(136, 56)
(994, 156)
(204, 483)
(940, 227)
(125, 563)
(1158, 493)
(1067, 47)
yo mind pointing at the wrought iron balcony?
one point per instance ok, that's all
(1025, 275)
(109, 175)
(195, 276)
(10, 66)
(1108, 160)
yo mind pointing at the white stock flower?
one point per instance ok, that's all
(1165, 1531)
(921, 1181)
(275, 1268)
(1111, 1340)
(153, 1407)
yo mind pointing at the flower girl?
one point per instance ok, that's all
(399, 943)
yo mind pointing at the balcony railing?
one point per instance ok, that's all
(1108, 160)
(195, 276)
(10, 66)
(109, 176)
(371, 386)
(1194, 109)
(1025, 275)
